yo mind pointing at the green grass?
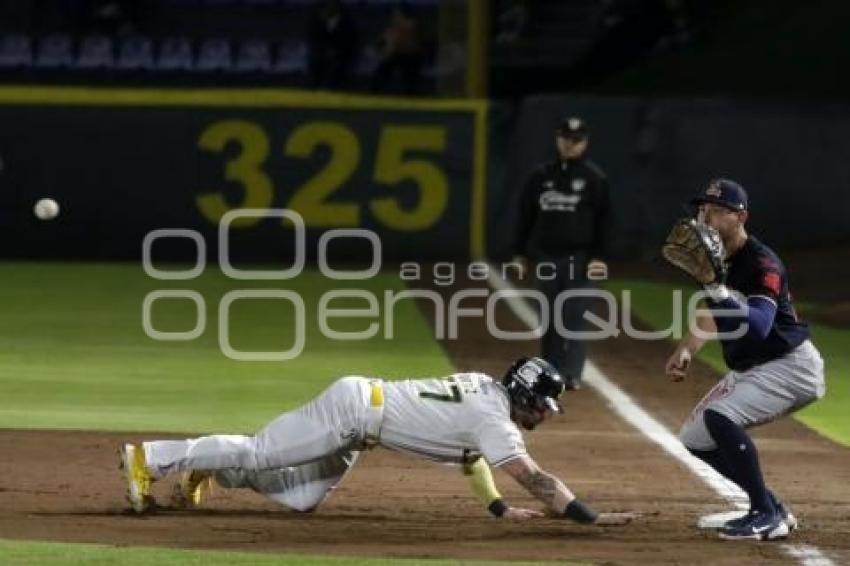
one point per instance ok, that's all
(75, 354)
(653, 303)
(26, 552)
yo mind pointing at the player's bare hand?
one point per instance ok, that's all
(678, 364)
(615, 519)
(521, 266)
(520, 514)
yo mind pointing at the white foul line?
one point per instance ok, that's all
(622, 404)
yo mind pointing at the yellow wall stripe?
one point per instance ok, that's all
(260, 97)
(477, 38)
(478, 220)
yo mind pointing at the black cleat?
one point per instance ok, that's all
(755, 526)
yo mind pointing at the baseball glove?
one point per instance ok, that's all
(696, 249)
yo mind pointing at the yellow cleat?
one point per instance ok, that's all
(138, 478)
(194, 487)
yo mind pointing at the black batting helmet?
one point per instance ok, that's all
(534, 383)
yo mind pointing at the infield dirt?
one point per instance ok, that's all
(66, 486)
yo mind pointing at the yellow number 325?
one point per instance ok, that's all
(311, 200)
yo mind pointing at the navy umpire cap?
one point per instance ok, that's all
(572, 127)
(725, 193)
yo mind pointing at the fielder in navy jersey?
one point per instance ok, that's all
(775, 368)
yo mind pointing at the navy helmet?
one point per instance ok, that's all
(723, 192)
(534, 383)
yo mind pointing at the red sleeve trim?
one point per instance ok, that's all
(772, 282)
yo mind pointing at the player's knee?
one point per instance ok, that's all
(686, 435)
(694, 436)
(302, 505)
(687, 439)
(301, 500)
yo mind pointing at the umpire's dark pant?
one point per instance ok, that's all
(555, 275)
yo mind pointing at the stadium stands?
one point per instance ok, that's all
(96, 52)
(15, 51)
(175, 54)
(214, 55)
(263, 41)
(55, 52)
(254, 56)
(136, 53)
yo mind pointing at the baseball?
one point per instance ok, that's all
(46, 209)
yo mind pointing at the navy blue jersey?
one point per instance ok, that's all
(564, 208)
(755, 270)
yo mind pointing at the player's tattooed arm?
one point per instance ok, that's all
(539, 483)
(558, 498)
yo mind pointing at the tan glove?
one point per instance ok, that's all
(696, 249)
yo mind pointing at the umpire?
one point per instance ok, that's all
(563, 226)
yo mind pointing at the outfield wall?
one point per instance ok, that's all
(123, 162)
(435, 179)
(658, 153)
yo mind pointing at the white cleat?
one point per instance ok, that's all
(756, 526)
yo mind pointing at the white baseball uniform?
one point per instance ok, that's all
(303, 454)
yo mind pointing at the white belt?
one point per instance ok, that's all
(374, 413)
